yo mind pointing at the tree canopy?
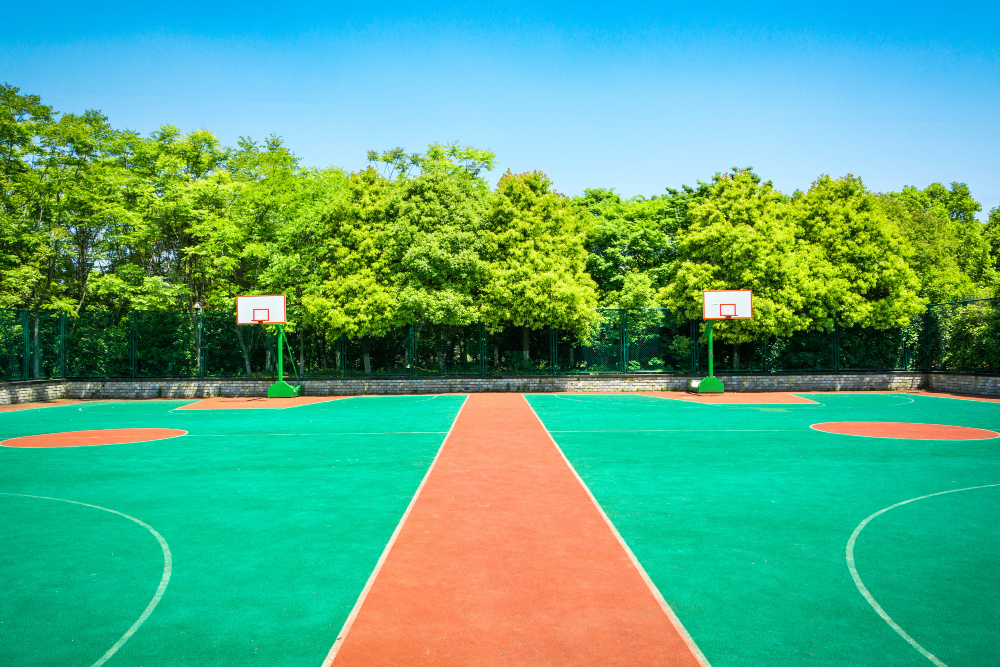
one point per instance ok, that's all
(101, 219)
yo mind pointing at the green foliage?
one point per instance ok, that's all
(744, 235)
(99, 220)
(991, 233)
(630, 236)
(859, 259)
(947, 218)
(537, 273)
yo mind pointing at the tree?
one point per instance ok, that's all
(957, 207)
(991, 232)
(435, 238)
(936, 247)
(537, 274)
(859, 258)
(628, 236)
(743, 235)
(352, 292)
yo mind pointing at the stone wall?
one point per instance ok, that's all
(978, 385)
(33, 391)
(48, 390)
(22, 392)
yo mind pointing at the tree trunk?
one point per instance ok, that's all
(243, 348)
(736, 357)
(524, 346)
(366, 353)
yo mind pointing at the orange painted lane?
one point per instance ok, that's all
(906, 430)
(504, 559)
(735, 398)
(255, 402)
(942, 394)
(105, 436)
(14, 407)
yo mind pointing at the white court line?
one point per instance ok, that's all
(681, 630)
(864, 590)
(244, 435)
(168, 563)
(385, 552)
(682, 430)
(330, 399)
(908, 400)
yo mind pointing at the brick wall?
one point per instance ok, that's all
(24, 392)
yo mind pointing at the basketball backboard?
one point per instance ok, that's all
(727, 304)
(261, 308)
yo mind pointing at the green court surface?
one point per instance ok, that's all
(274, 520)
(742, 515)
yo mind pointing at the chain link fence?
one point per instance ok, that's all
(958, 337)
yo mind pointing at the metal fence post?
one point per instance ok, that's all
(202, 362)
(411, 341)
(25, 345)
(343, 354)
(62, 345)
(483, 350)
(553, 351)
(836, 344)
(132, 344)
(694, 347)
(624, 340)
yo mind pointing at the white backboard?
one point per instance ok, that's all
(267, 307)
(732, 304)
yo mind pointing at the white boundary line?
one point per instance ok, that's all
(327, 399)
(694, 399)
(681, 630)
(168, 565)
(106, 444)
(681, 430)
(244, 435)
(342, 635)
(38, 407)
(889, 437)
(956, 397)
(864, 590)
(195, 401)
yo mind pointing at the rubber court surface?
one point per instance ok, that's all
(548, 529)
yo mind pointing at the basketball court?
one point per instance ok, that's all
(550, 529)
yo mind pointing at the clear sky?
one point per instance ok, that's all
(633, 96)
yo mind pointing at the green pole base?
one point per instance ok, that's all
(284, 390)
(711, 385)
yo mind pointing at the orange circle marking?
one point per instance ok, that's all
(108, 436)
(906, 430)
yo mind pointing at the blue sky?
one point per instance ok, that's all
(633, 96)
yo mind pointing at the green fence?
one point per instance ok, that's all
(959, 337)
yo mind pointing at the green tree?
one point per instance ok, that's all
(955, 206)
(352, 291)
(936, 247)
(743, 235)
(537, 274)
(629, 236)
(858, 257)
